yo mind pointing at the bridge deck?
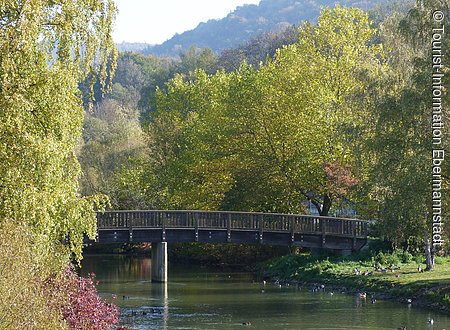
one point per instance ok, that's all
(232, 227)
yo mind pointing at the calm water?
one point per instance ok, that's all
(201, 298)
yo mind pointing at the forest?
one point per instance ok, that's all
(333, 117)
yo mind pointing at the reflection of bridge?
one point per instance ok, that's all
(160, 227)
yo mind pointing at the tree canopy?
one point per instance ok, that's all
(46, 48)
(281, 129)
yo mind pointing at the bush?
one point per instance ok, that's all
(395, 258)
(440, 260)
(36, 294)
(419, 259)
(84, 309)
(381, 258)
(23, 294)
(406, 257)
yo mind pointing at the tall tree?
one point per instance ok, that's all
(277, 135)
(114, 155)
(46, 48)
(187, 138)
(402, 139)
(306, 119)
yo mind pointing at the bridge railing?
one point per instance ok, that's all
(273, 222)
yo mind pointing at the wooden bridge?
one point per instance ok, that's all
(161, 227)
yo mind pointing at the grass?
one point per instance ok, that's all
(397, 276)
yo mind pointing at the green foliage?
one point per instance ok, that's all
(196, 58)
(35, 294)
(441, 260)
(268, 139)
(183, 140)
(44, 52)
(26, 261)
(114, 156)
(137, 77)
(395, 258)
(400, 142)
(46, 48)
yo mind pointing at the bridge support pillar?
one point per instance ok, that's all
(159, 262)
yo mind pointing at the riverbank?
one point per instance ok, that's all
(398, 276)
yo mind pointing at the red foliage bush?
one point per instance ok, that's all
(85, 309)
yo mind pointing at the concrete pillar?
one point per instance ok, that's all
(159, 262)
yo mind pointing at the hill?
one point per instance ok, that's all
(249, 21)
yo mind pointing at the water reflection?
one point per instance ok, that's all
(165, 298)
(199, 298)
(118, 268)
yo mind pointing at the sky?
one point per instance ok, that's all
(155, 21)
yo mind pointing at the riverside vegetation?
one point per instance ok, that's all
(384, 275)
(337, 119)
(334, 115)
(46, 49)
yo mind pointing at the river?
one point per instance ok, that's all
(204, 298)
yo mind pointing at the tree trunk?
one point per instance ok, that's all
(323, 208)
(326, 205)
(429, 255)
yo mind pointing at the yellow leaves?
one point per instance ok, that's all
(41, 113)
(26, 261)
(278, 124)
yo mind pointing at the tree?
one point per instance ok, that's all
(186, 141)
(46, 48)
(258, 49)
(267, 139)
(401, 143)
(196, 58)
(304, 118)
(114, 155)
(137, 77)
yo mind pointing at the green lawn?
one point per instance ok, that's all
(397, 275)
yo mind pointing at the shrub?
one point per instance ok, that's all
(23, 268)
(84, 309)
(36, 294)
(406, 257)
(395, 258)
(419, 259)
(381, 258)
(440, 260)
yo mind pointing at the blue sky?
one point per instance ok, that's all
(154, 21)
